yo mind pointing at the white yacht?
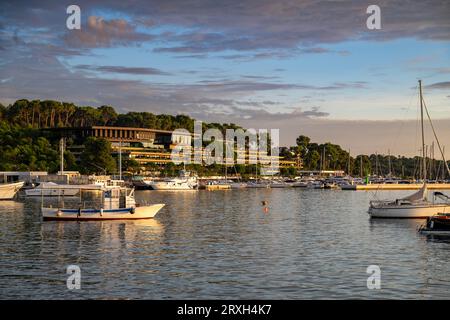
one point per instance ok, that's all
(184, 182)
(416, 205)
(9, 190)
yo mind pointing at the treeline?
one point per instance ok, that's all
(328, 156)
(52, 114)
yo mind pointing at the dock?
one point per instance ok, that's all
(395, 186)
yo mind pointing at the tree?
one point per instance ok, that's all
(96, 156)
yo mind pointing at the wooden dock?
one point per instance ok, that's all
(388, 186)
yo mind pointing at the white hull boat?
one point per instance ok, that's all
(118, 203)
(183, 182)
(408, 211)
(131, 213)
(238, 185)
(9, 190)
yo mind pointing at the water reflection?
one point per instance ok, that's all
(309, 244)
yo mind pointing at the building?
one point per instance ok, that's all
(149, 146)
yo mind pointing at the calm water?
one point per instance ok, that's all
(205, 245)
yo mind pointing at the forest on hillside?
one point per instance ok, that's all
(23, 146)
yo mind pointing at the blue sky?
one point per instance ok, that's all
(308, 67)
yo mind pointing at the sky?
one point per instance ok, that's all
(305, 67)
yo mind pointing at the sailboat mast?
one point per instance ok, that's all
(424, 161)
(61, 150)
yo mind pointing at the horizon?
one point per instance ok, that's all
(309, 67)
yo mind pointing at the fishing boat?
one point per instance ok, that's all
(416, 205)
(9, 190)
(118, 203)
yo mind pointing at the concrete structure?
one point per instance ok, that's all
(26, 176)
(148, 146)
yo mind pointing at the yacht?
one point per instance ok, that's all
(184, 182)
(9, 190)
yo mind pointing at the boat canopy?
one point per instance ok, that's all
(420, 195)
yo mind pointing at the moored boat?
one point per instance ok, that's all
(9, 190)
(437, 225)
(118, 203)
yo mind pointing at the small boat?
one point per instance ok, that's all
(257, 185)
(218, 185)
(9, 190)
(118, 203)
(437, 225)
(183, 182)
(238, 185)
(141, 183)
(279, 184)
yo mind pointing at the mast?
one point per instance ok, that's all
(424, 161)
(61, 162)
(120, 159)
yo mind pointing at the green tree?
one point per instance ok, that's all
(96, 156)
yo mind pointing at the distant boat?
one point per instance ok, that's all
(51, 189)
(416, 205)
(183, 182)
(9, 190)
(238, 185)
(118, 203)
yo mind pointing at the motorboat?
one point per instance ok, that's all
(141, 183)
(184, 182)
(9, 190)
(437, 225)
(118, 203)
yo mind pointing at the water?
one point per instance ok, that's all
(311, 244)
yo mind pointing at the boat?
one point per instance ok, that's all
(184, 182)
(49, 189)
(218, 185)
(9, 190)
(118, 203)
(142, 183)
(257, 185)
(437, 225)
(416, 205)
(238, 185)
(279, 184)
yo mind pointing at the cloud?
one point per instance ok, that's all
(121, 69)
(439, 85)
(105, 33)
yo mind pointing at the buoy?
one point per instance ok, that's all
(266, 209)
(264, 203)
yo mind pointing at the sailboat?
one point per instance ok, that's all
(416, 205)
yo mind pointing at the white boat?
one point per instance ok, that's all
(118, 203)
(183, 182)
(279, 184)
(9, 190)
(416, 205)
(238, 185)
(51, 189)
(257, 184)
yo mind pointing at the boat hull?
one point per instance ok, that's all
(407, 211)
(9, 190)
(141, 212)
